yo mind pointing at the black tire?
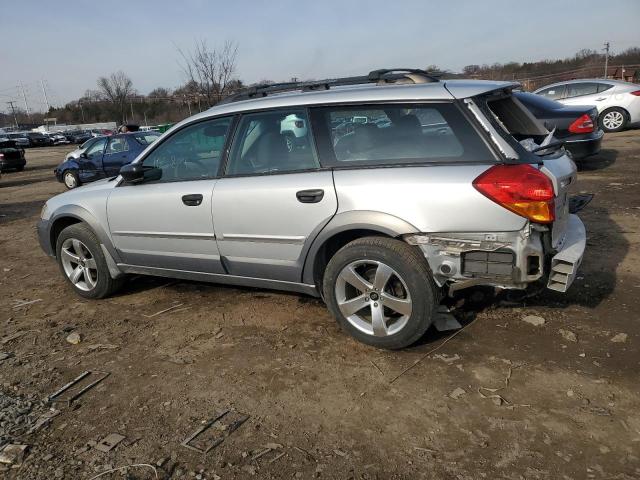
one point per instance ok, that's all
(613, 111)
(71, 179)
(105, 284)
(411, 266)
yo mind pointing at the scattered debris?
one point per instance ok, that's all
(340, 452)
(444, 321)
(570, 393)
(377, 367)
(44, 420)
(223, 425)
(13, 454)
(534, 320)
(5, 355)
(135, 465)
(619, 338)
(457, 393)
(74, 338)
(432, 351)
(109, 442)
(14, 336)
(448, 359)
(24, 303)
(280, 455)
(164, 311)
(568, 335)
(496, 398)
(269, 447)
(101, 346)
(78, 386)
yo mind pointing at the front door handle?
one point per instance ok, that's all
(192, 200)
(310, 196)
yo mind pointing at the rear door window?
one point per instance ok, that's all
(278, 141)
(553, 93)
(603, 87)
(397, 134)
(580, 89)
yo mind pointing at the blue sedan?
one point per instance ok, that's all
(104, 158)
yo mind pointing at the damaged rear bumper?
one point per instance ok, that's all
(565, 263)
(509, 260)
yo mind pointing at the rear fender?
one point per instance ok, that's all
(375, 221)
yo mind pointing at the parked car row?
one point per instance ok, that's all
(40, 139)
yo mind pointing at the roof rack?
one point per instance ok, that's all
(380, 77)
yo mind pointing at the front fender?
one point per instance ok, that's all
(71, 164)
(79, 213)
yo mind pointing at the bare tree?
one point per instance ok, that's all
(211, 69)
(117, 88)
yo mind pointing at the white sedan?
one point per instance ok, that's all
(618, 102)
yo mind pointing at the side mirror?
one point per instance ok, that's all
(137, 173)
(83, 155)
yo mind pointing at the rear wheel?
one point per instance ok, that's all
(381, 291)
(613, 119)
(70, 179)
(83, 264)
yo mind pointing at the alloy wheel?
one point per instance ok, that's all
(373, 298)
(613, 120)
(79, 264)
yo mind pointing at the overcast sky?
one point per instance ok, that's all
(71, 43)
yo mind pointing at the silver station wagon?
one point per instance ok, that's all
(381, 194)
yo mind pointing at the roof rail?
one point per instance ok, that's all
(382, 76)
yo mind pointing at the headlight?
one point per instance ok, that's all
(44, 213)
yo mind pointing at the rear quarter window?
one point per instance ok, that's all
(396, 134)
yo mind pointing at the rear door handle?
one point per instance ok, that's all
(310, 196)
(192, 200)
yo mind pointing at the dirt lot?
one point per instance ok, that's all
(570, 388)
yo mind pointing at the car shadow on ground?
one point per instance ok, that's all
(603, 159)
(22, 182)
(10, 212)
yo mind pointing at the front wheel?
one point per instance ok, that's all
(613, 119)
(381, 291)
(71, 179)
(83, 264)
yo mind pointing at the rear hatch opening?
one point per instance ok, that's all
(535, 145)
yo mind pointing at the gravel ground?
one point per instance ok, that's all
(534, 387)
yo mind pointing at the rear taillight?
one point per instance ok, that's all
(636, 93)
(584, 124)
(1, 156)
(523, 189)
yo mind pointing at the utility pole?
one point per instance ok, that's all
(606, 58)
(81, 110)
(26, 105)
(44, 92)
(13, 109)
